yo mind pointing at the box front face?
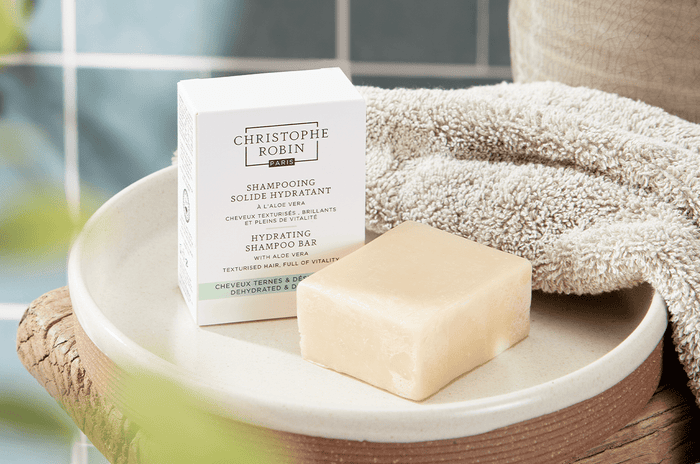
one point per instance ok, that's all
(280, 195)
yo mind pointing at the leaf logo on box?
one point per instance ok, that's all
(280, 145)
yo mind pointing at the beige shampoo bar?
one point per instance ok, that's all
(414, 309)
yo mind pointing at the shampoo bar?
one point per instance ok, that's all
(414, 309)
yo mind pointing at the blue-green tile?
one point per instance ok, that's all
(284, 29)
(241, 28)
(127, 123)
(172, 27)
(34, 94)
(499, 45)
(438, 31)
(95, 457)
(44, 27)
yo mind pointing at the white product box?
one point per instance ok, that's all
(271, 187)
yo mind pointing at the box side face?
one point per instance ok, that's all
(280, 195)
(187, 201)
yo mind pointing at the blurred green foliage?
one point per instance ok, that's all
(26, 418)
(13, 16)
(17, 413)
(38, 225)
(181, 429)
(31, 209)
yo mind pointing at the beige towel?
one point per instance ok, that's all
(599, 192)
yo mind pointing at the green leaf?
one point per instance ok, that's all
(14, 138)
(39, 222)
(183, 429)
(21, 415)
(13, 15)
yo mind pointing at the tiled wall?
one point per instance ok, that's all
(93, 98)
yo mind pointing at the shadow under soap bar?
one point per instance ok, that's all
(414, 309)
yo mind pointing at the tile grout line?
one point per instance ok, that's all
(12, 311)
(79, 450)
(342, 36)
(193, 63)
(482, 33)
(215, 63)
(70, 106)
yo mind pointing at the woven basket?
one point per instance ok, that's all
(647, 50)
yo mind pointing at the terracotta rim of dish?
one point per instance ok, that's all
(554, 437)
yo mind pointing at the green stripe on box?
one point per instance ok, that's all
(250, 287)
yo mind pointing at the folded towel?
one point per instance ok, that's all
(598, 191)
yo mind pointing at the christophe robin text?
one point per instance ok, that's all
(271, 188)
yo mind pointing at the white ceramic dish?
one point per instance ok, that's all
(122, 279)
